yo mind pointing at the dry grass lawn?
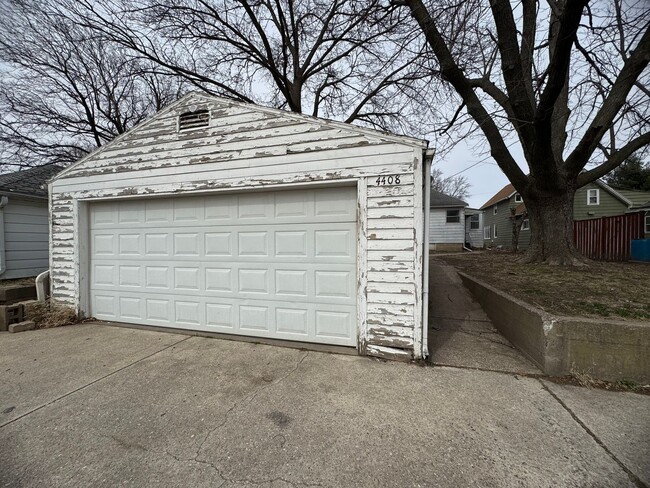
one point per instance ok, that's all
(615, 290)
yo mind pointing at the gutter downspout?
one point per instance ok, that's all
(428, 158)
(3, 262)
(42, 286)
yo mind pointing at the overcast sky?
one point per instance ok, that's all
(475, 163)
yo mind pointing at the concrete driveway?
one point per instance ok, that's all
(93, 405)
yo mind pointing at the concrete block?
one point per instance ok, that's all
(12, 294)
(30, 307)
(22, 326)
(10, 314)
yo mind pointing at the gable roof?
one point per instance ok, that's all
(636, 197)
(439, 199)
(29, 182)
(226, 102)
(503, 194)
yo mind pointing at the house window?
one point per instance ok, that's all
(593, 196)
(474, 222)
(194, 120)
(525, 225)
(494, 210)
(494, 231)
(453, 216)
(647, 224)
(518, 198)
(486, 232)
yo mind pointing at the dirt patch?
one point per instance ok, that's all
(602, 289)
(50, 314)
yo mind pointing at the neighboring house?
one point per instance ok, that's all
(594, 200)
(474, 228)
(498, 213)
(446, 222)
(227, 217)
(24, 236)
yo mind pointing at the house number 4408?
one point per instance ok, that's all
(388, 180)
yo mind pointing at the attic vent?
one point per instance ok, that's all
(193, 120)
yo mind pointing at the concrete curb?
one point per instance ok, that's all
(611, 350)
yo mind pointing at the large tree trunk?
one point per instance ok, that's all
(551, 226)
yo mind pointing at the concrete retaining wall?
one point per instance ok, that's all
(605, 349)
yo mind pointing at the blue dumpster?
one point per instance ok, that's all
(640, 250)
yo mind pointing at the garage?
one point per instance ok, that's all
(267, 264)
(225, 217)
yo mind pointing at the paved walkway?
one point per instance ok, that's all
(461, 334)
(93, 405)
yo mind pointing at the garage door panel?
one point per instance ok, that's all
(294, 243)
(309, 322)
(279, 265)
(332, 283)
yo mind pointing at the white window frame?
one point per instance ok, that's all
(518, 198)
(494, 231)
(476, 221)
(596, 193)
(525, 225)
(457, 216)
(647, 223)
(495, 210)
(487, 232)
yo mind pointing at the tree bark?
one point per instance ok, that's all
(551, 226)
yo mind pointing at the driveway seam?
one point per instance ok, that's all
(633, 477)
(91, 383)
(486, 370)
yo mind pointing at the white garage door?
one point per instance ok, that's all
(267, 264)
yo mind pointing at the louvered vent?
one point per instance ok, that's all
(193, 120)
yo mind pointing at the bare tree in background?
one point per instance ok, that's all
(350, 60)
(456, 186)
(567, 78)
(65, 90)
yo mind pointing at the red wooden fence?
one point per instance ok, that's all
(608, 238)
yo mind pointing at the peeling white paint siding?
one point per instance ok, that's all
(248, 147)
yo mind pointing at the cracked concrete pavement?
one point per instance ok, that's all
(93, 405)
(461, 334)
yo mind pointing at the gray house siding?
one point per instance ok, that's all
(608, 204)
(445, 235)
(474, 237)
(501, 220)
(25, 238)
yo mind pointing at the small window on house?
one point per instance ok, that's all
(518, 198)
(593, 196)
(193, 120)
(474, 222)
(453, 216)
(494, 210)
(486, 232)
(525, 225)
(494, 231)
(647, 224)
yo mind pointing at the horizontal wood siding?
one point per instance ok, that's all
(26, 237)
(246, 149)
(474, 236)
(391, 293)
(441, 231)
(608, 205)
